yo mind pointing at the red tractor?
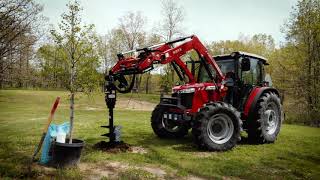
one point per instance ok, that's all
(218, 97)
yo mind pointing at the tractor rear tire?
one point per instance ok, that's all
(217, 127)
(162, 128)
(265, 126)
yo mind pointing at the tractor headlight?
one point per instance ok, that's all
(189, 90)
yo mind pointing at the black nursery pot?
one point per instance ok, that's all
(65, 154)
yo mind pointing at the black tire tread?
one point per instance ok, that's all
(207, 111)
(159, 130)
(255, 132)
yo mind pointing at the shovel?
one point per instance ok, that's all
(53, 109)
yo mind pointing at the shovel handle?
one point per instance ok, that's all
(53, 110)
(38, 147)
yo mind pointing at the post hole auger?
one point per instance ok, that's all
(216, 103)
(110, 99)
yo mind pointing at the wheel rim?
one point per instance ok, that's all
(220, 128)
(271, 118)
(169, 126)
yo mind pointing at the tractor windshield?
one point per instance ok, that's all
(226, 65)
(196, 66)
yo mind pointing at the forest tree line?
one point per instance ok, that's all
(34, 56)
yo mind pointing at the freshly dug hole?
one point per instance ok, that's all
(115, 147)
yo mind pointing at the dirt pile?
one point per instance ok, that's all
(115, 147)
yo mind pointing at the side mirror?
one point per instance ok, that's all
(245, 64)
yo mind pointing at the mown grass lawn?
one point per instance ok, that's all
(295, 155)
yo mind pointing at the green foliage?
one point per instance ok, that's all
(55, 69)
(77, 44)
(260, 44)
(166, 80)
(296, 65)
(53, 66)
(20, 24)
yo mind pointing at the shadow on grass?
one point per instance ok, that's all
(185, 144)
(14, 163)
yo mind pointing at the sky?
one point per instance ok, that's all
(210, 20)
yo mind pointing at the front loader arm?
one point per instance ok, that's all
(140, 63)
(175, 53)
(163, 53)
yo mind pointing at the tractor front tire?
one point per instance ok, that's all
(217, 127)
(265, 126)
(163, 128)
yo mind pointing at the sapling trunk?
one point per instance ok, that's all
(71, 100)
(71, 116)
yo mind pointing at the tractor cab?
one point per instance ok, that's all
(243, 71)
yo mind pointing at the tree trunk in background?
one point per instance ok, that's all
(139, 83)
(172, 76)
(27, 71)
(147, 82)
(55, 80)
(136, 84)
(1, 72)
(20, 70)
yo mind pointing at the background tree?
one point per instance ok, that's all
(19, 23)
(111, 44)
(53, 66)
(78, 44)
(172, 19)
(132, 26)
(170, 28)
(261, 44)
(300, 60)
(128, 35)
(151, 40)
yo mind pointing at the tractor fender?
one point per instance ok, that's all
(251, 103)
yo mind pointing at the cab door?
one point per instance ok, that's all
(250, 77)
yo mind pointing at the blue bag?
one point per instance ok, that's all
(50, 136)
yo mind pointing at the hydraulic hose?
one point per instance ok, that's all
(124, 82)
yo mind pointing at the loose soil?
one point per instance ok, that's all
(119, 147)
(113, 147)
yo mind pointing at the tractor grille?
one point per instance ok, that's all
(186, 99)
(169, 100)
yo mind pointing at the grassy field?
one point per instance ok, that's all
(295, 155)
